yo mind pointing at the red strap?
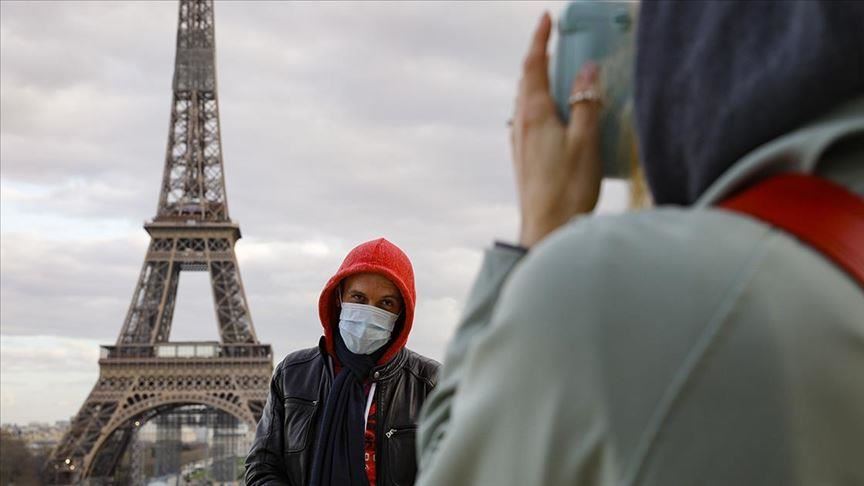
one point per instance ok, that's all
(818, 212)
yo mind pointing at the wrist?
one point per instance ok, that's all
(531, 233)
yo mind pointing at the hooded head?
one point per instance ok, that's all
(379, 257)
(715, 80)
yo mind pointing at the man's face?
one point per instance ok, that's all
(372, 289)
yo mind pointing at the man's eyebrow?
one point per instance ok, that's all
(391, 296)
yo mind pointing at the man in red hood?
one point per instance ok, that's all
(345, 412)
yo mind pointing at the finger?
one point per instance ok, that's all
(584, 114)
(535, 71)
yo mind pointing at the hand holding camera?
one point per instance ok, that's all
(559, 167)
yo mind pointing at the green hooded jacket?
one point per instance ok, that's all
(671, 346)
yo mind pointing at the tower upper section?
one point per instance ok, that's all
(193, 183)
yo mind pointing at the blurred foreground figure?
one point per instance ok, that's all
(345, 413)
(695, 343)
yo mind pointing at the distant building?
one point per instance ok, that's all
(39, 436)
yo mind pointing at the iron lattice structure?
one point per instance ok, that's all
(144, 374)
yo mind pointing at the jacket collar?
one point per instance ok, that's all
(799, 151)
(387, 370)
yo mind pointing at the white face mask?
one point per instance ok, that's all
(365, 328)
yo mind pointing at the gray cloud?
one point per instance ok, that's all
(341, 122)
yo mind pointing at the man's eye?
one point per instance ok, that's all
(356, 297)
(388, 303)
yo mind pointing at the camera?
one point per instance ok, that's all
(603, 32)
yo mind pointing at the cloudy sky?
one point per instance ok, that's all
(341, 123)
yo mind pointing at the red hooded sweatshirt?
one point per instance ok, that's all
(386, 259)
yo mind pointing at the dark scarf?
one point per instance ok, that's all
(339, 453)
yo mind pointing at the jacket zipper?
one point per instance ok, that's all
(389, 433)
(304, 401)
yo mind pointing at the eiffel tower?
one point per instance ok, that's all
(144, 376)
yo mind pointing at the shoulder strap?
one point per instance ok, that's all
(818, 212)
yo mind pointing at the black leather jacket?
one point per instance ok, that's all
(285, 439)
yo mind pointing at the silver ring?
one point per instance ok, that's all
(584, 95)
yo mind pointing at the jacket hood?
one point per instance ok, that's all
(715, 80)
(386, 259)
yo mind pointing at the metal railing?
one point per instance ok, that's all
(186, 350)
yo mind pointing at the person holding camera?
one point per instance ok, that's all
(717, 339)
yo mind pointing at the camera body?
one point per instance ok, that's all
(603, 32)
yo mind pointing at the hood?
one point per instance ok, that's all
(715, 80)
(386, 259)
